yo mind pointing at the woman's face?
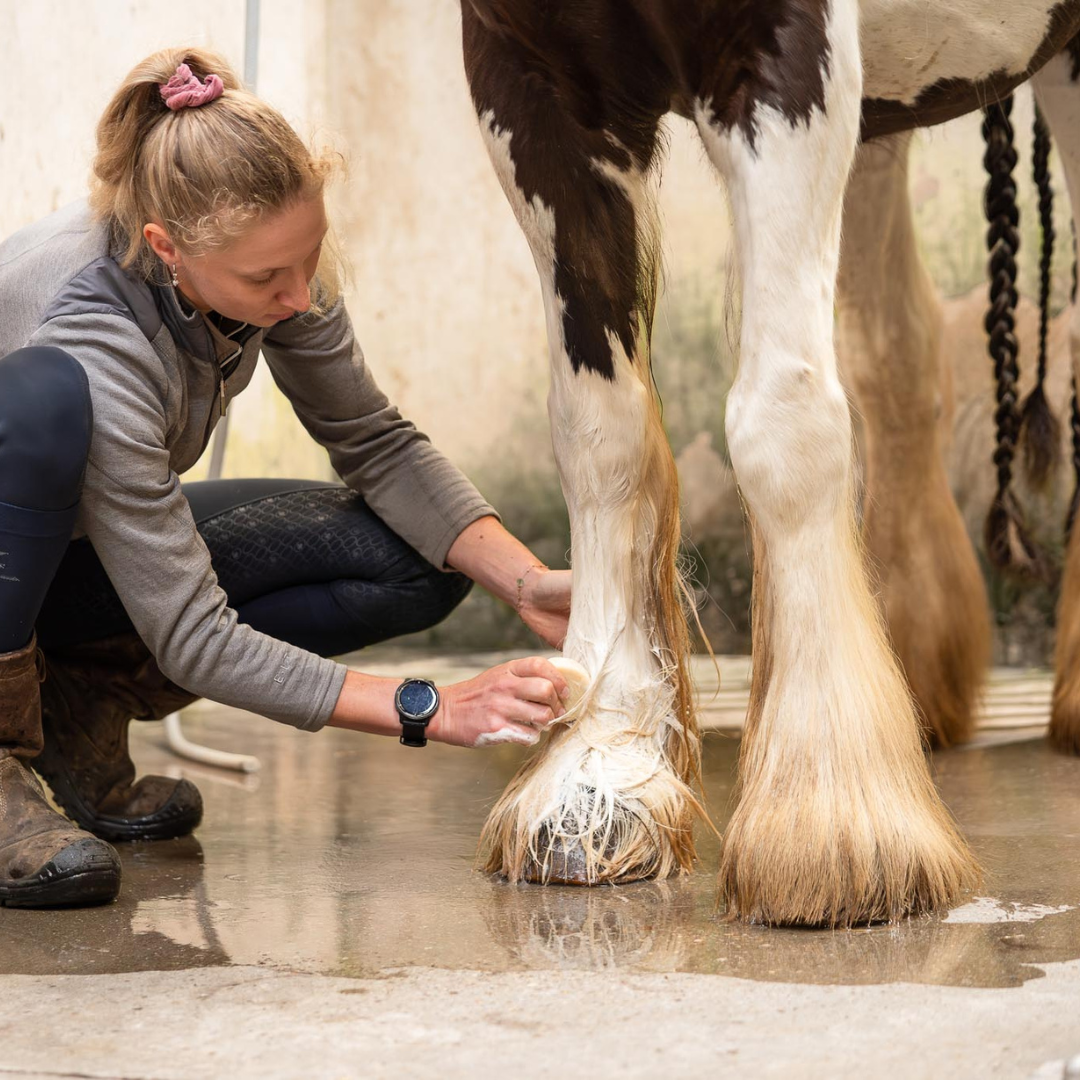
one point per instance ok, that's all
(260, 278)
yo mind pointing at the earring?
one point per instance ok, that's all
(174, 280)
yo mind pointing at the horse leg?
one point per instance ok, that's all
(1057, 91)
(837, 821)
(890, 351)
(607, 797)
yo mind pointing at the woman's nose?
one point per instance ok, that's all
(298, 295)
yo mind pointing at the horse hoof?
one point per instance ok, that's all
(565, 864)
(561, 860)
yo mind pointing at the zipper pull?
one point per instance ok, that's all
(222, 365)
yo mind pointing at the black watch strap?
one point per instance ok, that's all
(416, 701)
(413, 732)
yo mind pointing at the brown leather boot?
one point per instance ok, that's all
(90, 694)
(45, 861)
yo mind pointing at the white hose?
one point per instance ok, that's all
(180, 745)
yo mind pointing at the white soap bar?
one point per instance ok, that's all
(577, 678)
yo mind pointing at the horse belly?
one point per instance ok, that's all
(908, 45)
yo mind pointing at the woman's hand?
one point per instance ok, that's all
(543, 602)
(513, 702)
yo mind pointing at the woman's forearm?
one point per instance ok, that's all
(366, 703)
(494, 558)
(503, 565)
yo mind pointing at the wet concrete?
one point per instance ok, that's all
(350, 855)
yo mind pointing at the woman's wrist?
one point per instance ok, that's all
(366, 703)
(527, 582)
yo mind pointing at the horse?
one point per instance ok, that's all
(837, 821)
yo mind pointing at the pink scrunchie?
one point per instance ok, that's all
(184, 90)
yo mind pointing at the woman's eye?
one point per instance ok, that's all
(262, 281)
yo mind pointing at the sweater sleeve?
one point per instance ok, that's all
(318, 365)
(138, 519)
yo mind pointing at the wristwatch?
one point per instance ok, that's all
(416, 701)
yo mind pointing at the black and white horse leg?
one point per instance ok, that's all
(890, 326)
(838, 821)
(1058, 94)
(607, 797)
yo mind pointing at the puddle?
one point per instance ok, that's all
(353, 855)
(985, 909)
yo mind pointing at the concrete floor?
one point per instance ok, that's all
(327, 921)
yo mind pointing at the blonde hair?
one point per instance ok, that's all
(206, 174)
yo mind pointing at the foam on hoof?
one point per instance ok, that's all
(564, 863)
(602, 800)
(598, 840)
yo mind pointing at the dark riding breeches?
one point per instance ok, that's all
(305, 562)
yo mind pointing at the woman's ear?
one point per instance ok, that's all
(160, 242)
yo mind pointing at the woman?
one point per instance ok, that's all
(126, 328)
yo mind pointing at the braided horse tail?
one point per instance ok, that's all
(1007, 543)
(1039, 428)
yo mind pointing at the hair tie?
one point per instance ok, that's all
(184, 90)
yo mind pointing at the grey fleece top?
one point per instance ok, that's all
(154, 373)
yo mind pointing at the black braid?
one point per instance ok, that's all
(1075, 502)
(1039, 427)
(1006, 543)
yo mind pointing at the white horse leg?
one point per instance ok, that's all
(838, 821)
(890, 352)
(1058, 95)
(607, 797)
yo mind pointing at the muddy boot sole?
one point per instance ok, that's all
(84, 874)
(178, 816)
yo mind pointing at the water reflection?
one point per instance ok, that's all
(163, 920)
(353, 856)
(645, 927)
(672, 928)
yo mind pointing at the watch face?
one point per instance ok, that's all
(417, 699)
